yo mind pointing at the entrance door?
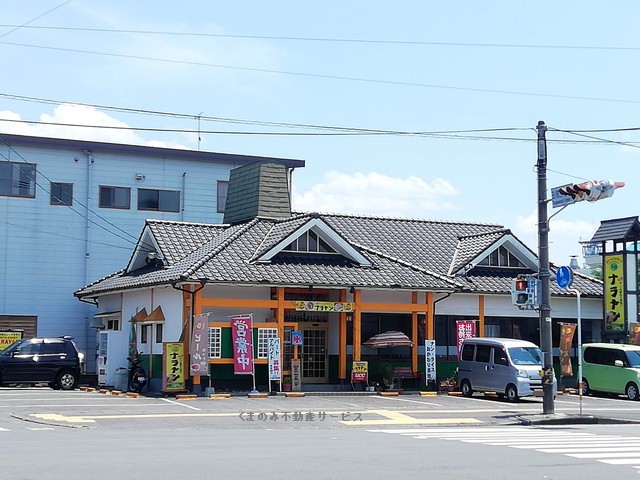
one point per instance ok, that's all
(314, 355)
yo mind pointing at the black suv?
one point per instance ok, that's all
(55, 361)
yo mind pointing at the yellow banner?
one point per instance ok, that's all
(9, 338)
(614, 318)
(173, 377)
(324, 306)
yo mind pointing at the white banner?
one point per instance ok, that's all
(275, 367)
(430, 359)
(199, 346)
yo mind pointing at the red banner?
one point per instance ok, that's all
(566, 338)
(242, 338)
(634, 333)
(464, 329)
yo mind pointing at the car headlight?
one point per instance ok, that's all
(523, 374)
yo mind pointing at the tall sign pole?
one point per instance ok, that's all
(546, 341)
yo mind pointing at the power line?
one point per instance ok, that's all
(323, 76)
(604, 140)
(26, 24)
(326, 39)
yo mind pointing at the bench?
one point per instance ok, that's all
(400, 373)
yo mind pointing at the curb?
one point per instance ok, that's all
(388, 394)
(258, 395)
(294, 394)
(428, 394)
(454, 394)
(186, 397)
(220, 395)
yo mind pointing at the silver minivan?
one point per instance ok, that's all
(509, 367)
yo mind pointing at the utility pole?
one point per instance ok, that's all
(546, 339)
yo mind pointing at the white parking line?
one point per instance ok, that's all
(179, 403)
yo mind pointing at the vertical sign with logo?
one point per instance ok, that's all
(464, 329)
(275, 367)
(613, 294)
(296, 375)
(242, 340)
(430, 360)
(173, 367)
(199, 346)
(360, 372)
(296, 339)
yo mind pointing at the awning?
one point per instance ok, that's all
(154, 317)
(388, 339)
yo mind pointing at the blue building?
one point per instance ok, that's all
(72, 209)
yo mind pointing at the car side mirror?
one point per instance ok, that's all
(618, 363)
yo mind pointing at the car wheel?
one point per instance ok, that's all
(586, 390)
(632, 391)
(466, 389)
(67, 380)
(511, 393)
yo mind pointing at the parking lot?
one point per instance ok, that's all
(41, 407)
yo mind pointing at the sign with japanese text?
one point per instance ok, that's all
(275, 366)
(613, 278)
(296, 375)
(9, 338)
(337, 307)
(634, 333)
(296, 339)
(199, 346)
(173, 366)
(464, 329)
(242, 340)
(360, 372)
(430, 359)
(566, 337)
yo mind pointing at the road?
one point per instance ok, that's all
(73, 435)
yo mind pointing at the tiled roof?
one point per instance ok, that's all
(470, 246)
(618, 229)
(405, 253)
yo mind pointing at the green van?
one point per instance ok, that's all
(611, 368)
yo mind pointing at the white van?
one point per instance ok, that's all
(509, 367)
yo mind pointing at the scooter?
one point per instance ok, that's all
(137, 376)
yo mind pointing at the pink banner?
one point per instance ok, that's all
(464, 329)
(199, 346)
(242, 338)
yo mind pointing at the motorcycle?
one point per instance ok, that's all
(137, 376)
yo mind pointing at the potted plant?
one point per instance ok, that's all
(286, 383)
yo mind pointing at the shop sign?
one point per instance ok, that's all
(199, 346)
(335, 307)
(296, 375)
(430, 359)
(464, 329)
(9, 338)
(242, 340)
(614, 294)
(173, 367)
(275, 367)
(360, 372)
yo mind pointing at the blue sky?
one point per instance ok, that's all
(410, 69)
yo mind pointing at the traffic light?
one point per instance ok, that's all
(590, 191)
(520, 292)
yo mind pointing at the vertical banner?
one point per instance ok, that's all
(430, 360)
(275, 367)
(614, 319)
(634, 333)
(360, 372)
(242, 340)
(464, 329)
(199, 346)
(566, 338)
(173, 367)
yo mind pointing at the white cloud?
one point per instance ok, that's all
(564, 236)
(67, 114)
(374, 193)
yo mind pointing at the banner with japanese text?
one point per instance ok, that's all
(566, 338)
(360, 372)
(464, 329)
(173, 367)
(430, 359)
(613, 279)
(199, 346)
(275, 367)
(242, 341)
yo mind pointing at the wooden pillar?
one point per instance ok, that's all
(342, 340)
(431, 318)
(480, 332)
(357, 325)
(414, 334)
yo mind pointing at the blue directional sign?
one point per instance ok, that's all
(564, 277)
(296, 338)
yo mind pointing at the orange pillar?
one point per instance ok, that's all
(357, 325)
(414, 334)
(431, 318)
(480, 332)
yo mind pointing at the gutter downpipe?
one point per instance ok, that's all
(87, 231)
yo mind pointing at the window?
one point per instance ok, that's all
(17, 179)
(467, 352)
(115, 197)
(309, 241)
(144, 333)
(160, 200)
(215, 342)
(159, 331)
(482, 353)
(264, 334)
(223, 188)
(500, 356)
(501, 257)
(61, 194)
(113, 323)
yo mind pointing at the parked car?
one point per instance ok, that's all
(509, 367)
(55, 361)
(611, 368)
